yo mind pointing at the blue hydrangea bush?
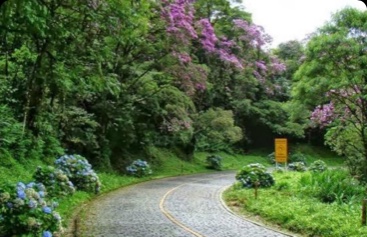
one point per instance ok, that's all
(25, 210)
(254, 175)
(214, 162)
(79, 172)
(139, 168)
(55, 180)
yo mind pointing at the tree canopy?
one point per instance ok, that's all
(332, 82)
(110, 78)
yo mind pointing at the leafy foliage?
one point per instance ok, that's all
(297, 157)
(297, 166)
(287, 202)
(216, 131)
(255, 175)
(318, 166)
(139, 168)
(55, 180)
(214, 162)
(79, 172)
(332, 186)
(25, 209)
(331, 83)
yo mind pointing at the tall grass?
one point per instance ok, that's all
(332, 186)
(313, 204)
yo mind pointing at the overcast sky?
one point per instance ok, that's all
(286, 20)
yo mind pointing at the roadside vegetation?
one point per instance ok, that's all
(69, 199)
(150, 89)
(310, 203)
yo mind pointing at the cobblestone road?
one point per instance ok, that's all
(182, 206)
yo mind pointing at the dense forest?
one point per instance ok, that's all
(110, 79)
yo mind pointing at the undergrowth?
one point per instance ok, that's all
(313, 204)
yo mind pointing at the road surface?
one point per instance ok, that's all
(183, 206)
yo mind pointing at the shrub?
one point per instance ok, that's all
(297, 157)
(214, 162)
(318, 166)
(251, 174)
(55, 180)
(139, 168)
(216, 130)
(297, 166)
(24, 210)
(332, 186)
(79, 172)
(293, 157)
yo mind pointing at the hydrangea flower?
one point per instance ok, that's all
(21, 194)
(139, 168)
(32, 203)
(22, 204)
(57, 182)
(46, 234)
(79, 172)
(47, 210)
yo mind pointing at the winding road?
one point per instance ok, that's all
(183, 206)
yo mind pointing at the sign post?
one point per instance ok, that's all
(281, 151)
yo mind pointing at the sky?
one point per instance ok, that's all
(286, 20)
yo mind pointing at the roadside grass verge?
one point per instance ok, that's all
(306, 203)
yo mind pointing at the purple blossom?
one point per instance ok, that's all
(231, 58)
(200, 86)
(261, 65)
(323, 115)
(253, 34)
(208, 37)
(227, 44)
(259, 77)
(184, 58)
(179, 16)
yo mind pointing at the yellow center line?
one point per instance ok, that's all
(171, 217)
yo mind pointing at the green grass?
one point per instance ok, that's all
(290, 205)
(234, 162)
(13, 171)
(317, 153)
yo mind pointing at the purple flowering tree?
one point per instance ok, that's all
(334, 76)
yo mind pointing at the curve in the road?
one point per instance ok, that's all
(179, 206)
(172, 218)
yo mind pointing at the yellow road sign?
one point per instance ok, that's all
(281, 150)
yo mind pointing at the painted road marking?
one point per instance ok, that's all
(171, 217)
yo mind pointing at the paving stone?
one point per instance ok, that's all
(193, 201)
